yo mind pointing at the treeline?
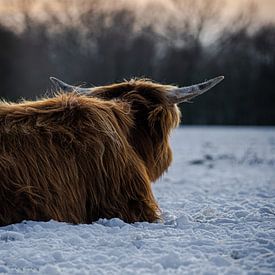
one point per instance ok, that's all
(101, 47)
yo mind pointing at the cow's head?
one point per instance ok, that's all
(153, 108)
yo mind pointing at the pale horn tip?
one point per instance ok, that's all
(55, 81)
(220, 78)
(61, 85)
(207, 85)
(217, 79)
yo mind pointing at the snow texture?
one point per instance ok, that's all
(218, 203)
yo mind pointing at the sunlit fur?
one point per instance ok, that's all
(78, 158)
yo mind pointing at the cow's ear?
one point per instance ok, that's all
(155, 114)
(155, 119)
(162, 119)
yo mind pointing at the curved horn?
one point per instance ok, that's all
(183, 94)
(68, 88)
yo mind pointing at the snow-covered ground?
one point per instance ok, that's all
(218, 202)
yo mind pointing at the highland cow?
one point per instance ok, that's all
(86, 154)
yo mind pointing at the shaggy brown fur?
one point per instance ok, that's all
(78, 158)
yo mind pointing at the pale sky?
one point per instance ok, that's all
(266, 8)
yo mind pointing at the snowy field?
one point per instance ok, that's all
(218, 203)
